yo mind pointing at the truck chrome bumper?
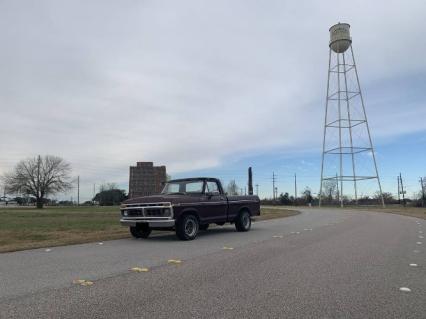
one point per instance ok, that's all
(166, 223)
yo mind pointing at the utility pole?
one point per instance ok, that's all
(338, 192)
(399, 191)
(295, 188)
(273, 186)
(245, 190)
(94, 193)
(402, 189)
(257, 189)
(78, 190)
(423, 191)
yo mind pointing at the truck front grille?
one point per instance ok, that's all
(134, 212)
(154, 212)
(161, 210)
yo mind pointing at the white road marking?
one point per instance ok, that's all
(421, 237)
(100, 243)
(413, 265)
(419, 243)
(420, 232)
(47, 250)
(405, 289)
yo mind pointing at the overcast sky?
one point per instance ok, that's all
(196, 84)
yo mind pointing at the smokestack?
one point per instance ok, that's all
(250, 181)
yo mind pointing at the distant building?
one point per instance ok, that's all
(146, 179)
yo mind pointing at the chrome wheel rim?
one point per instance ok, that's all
(190, 227)
(246, 220)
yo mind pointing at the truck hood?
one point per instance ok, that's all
(174, 199)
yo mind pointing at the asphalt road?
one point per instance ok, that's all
(320, 264)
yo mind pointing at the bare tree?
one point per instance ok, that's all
(307, 194)
(39, 177)
(330, 189)
(232, 188)
(387, 197)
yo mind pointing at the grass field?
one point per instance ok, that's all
(26, 228)
(419, 212)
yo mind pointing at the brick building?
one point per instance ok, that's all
(146, 179)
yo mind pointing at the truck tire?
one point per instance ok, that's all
(243, 221)
(187, 227)
(204, 226)
(140, 231)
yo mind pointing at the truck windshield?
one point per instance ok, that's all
(183, 187)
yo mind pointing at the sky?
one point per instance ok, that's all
(205, 87)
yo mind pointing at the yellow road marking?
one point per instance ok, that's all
(82, 282)
(138, 269)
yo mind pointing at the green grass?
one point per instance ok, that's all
(26, 228)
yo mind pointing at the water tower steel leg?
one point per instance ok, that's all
(368, 129)
(340, 130)
(350, 128)
(325, 126)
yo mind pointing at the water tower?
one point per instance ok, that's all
(348, 153)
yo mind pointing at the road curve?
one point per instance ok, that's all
(319, 264)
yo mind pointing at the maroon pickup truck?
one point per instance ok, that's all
(187, 206)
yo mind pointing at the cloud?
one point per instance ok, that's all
(190, 83)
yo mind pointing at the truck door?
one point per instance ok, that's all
(216, 203)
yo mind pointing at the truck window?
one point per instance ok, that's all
(212, 187)
(194, 187)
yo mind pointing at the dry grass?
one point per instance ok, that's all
(418, 212)
(276, 212)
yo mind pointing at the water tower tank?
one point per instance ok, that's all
(340, 38)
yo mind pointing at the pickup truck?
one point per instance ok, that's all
(187, 206)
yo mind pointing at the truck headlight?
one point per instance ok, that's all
(125, 213)
(166, 211)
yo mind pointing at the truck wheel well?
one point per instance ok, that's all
(244, 209)
(190, 212)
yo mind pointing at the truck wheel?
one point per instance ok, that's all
(204, 227)
(243, 221)
(140, 231)
(187, 227)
